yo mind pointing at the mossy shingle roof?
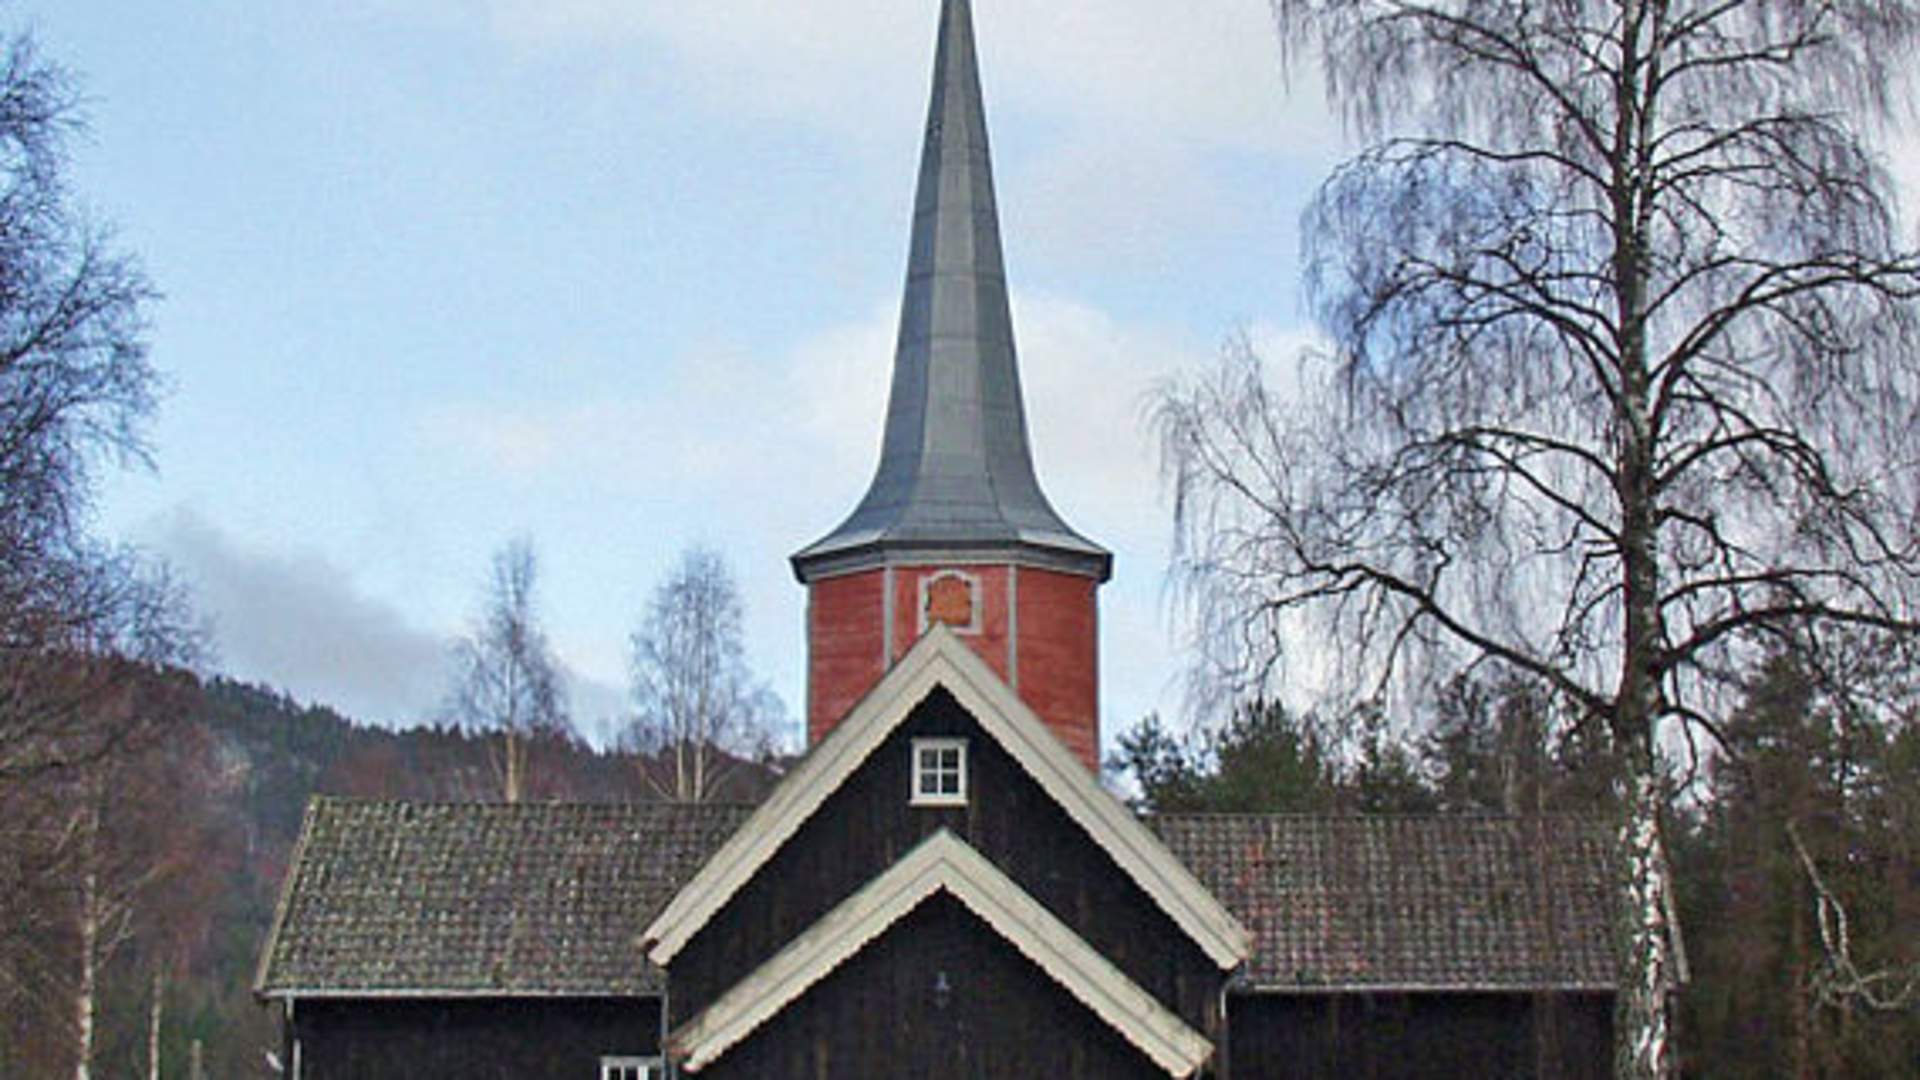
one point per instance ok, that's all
(404, 899)
(1402, 902)
(481, 899)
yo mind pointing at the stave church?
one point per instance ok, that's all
(941, 887)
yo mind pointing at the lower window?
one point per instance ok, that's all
(632, 1068)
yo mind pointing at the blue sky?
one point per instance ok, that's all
(622, 276)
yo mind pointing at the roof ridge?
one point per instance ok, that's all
(500, 804)
(1369, 815)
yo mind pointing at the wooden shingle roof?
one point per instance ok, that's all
(428, 899)
(415, 899)
(1409, 903)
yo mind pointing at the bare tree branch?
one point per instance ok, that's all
(1840, 982)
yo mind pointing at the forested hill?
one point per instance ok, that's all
(279, 752)
(190, 836)
(272, 754)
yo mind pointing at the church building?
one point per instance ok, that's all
(941, 887)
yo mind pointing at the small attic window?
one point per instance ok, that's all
(939, 772)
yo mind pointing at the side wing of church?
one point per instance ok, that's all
(941, 887)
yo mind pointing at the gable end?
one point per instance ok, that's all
(944, 863)
(940, 659)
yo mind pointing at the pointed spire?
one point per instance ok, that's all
(956, 474)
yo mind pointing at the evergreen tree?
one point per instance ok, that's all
(1815, 773)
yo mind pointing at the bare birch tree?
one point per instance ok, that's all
(76, 390)
(507, 681)
(123, 855)
(1624, 376)
(698, 705)
(84, 629)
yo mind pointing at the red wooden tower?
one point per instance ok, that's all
(955, 528)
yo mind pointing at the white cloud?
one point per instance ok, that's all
(1086, 377)
(814, 414)
(1100, 203)
(598, 708)
(297, 622)
(684, 433)
(1131, 127)
(1089, 378)
(836, 387)
(1210, 72)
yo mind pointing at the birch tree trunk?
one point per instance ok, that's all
(155, 1010)
(86, 982)
(1644, 1048)
(515, 770)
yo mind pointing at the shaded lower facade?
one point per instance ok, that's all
(1418, 1036)
(938, 997)
(470, 1038)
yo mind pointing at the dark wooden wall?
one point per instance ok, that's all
(1419, 1036)
(883, 1015)
(867, 825)
(499, 1039)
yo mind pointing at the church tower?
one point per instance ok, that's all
(954, 528)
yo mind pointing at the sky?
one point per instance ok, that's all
(622, 276)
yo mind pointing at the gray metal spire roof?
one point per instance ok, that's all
(956, 474)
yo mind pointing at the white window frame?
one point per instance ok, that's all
(629, 1067)
(919, 796)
